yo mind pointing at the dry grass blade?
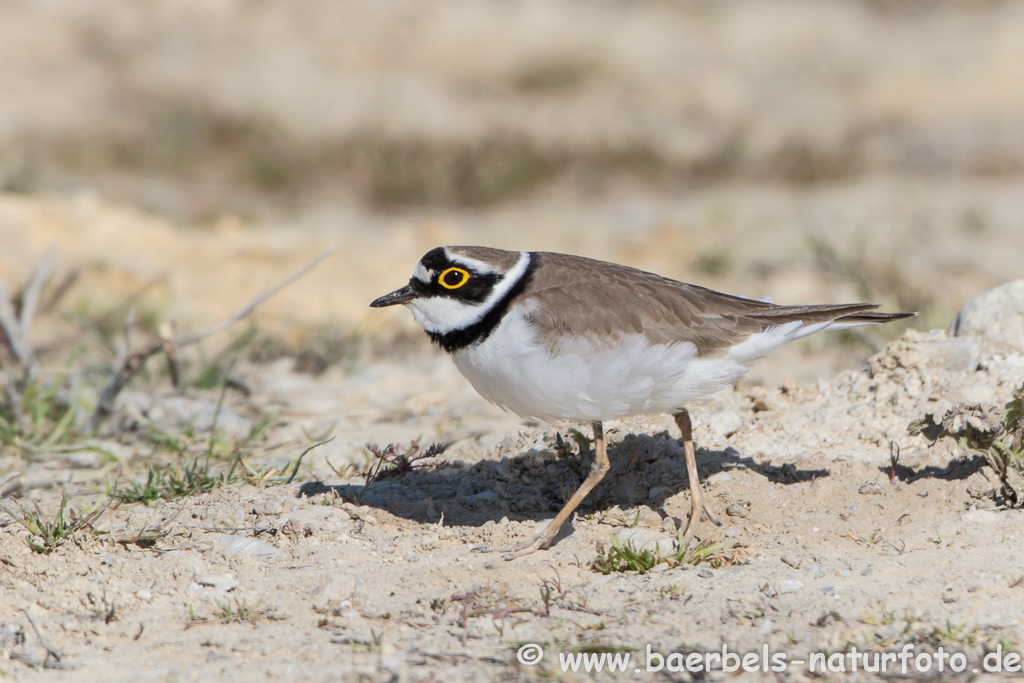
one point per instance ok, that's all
(30, 299)
(51, 651)
(12, 330)
(18, 331)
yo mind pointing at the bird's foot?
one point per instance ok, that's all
(527, 548)
(698, 509)
(530, 546)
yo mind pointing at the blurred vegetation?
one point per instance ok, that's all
(251, 156)
(184, 142)
(475, 106)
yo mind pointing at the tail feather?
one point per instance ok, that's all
(851, 320)
(808, 313)
(788, 323)
(848, 314)
(873, 318)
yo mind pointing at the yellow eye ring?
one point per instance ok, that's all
(442, 279)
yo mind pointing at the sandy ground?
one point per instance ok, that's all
(184, 156)
(825, 547)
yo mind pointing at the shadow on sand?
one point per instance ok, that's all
(525, 488)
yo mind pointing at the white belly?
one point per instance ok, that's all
(579, 382)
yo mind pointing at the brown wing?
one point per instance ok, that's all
(604, 301)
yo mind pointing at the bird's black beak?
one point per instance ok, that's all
(399, 296)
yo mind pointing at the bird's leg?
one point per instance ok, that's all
(698, 506)
(597, 472)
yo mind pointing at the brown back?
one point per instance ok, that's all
(605, 301)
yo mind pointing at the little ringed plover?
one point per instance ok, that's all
(558, 337)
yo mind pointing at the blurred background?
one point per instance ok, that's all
(184, 154)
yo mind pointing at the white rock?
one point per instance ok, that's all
(222, 582)
(719, 478)
(335, 593)
(641, 539)
(317, 514)
(997, 316)
(83, 460)
(243, 545)
(982, 516)
(725, 423)
(958, 354)
(178, 411)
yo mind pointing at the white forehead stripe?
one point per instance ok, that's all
(422, 274)
(478, 266)
(441, 314)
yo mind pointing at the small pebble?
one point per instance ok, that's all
(871, 488)
(735, 510)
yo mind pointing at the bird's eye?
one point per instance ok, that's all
(453, 278)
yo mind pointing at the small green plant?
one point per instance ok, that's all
(707, 551)
(170, 482)
(953, 633)
(564, 450)
(38, 416)
(48, 534)
(237, 610)
(999, 438)
(227, 612)
(883, 617)
(51, 533)
(194, 472)
(625, 557)
(177, 481)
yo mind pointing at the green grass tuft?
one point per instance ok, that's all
(38, 417)
(625, 557)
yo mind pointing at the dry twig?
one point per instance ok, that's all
(166, 331)
(43, 640)
(133, 362)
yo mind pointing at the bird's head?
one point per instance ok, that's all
(454, 288)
